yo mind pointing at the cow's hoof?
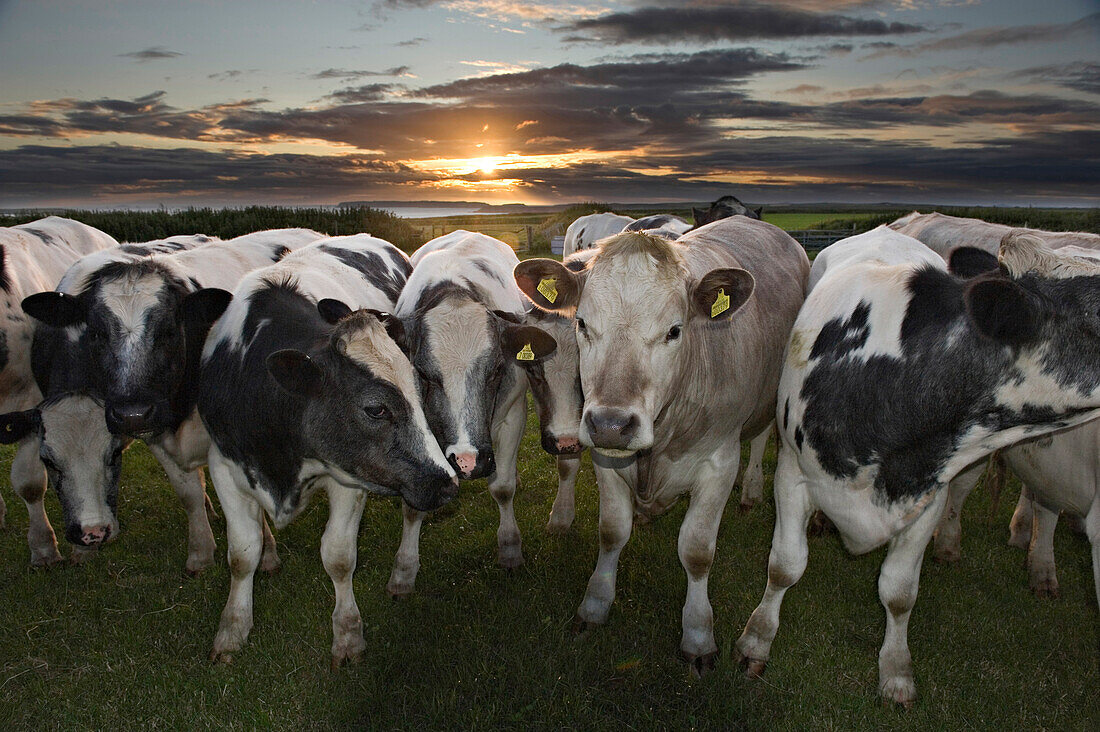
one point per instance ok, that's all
(753, 668)
(196, 566)
(746, 505)
(222, 658)
(1045, 589)
(45, 560)
(558, 526)
(399, 590)
(510, 560)
(581, 626)
(700, 665)
(342, 658)
(900, 690)
(947, 556)
(270, 564)
(1020, 539)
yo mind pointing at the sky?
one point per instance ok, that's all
(147, 103)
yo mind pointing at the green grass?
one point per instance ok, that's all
(798, 221)
(122, 641)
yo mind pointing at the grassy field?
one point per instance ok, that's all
(122, 641)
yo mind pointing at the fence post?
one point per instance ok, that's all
(530, 239)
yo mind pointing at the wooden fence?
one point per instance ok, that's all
(520, 237)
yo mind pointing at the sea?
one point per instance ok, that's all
(422, 212)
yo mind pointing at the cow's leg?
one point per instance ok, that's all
(1019, 528)
(269, 560)
(752, 479)
(698, 536)
(28, 478)
(507, 434)
(616, 521)
(1092, 529)
(996, 480)
(190, 487)
(564, 510)
(407, 562)
(786, 561)
(949, 532)
(338, 547)
(898, 580)
(1042, 575)
(244, 534)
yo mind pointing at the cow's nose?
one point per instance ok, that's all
(611, 427)
(464, 463)
(567, 445)
(92, 536)
(129, 418)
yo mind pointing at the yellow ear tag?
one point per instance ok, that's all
(548, 288)
(525, 353)
(721, 304)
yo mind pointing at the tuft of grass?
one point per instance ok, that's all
(123, 639)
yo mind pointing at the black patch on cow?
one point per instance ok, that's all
(971, 262)
(786, 413)
(278, 252)
(269, 432)
(373, 268)
(487, 268)
(46, 237)
(653, 222)
(838, 338)
(575, 265)
(798, 437)
(195, 284)
(905, 415)
(5, 277)
(133, 249)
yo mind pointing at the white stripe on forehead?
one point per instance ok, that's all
(130, 297)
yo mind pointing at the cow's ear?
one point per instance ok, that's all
(548, 284)
(526, 344)
(58, 309)
(14, 426)
(204, 306)
(394, 327)
(970, 262)
(1003, 311)
(296, 372)
(721, 293)
(510, 317)
(759, 211)
(333, 311)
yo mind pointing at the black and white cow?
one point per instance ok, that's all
(681, 345)
(463, 319)
(587, 230)
(300, 392)
(723, 208)
(137, 316)
(666, 225)
(897, 378)
(67, 429)
(33, 257)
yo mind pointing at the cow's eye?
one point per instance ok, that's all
(377, 411)
(673, 333)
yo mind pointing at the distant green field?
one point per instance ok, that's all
(797, 221)
(122, 641)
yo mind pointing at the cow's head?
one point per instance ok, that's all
(145, 329)
(723, 208)
(637, 311)
(467, 356)
(82, 460)
(556, 385)
(363, 413)
(1045, 304)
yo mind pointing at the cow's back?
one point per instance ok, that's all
(943, 234)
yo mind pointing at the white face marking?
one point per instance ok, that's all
(130, 299)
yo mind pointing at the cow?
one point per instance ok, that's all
(666, 225)
(898, 377)
(463, 319)
(587, 230)
(304, 386)
(943, 234)
(556, 392)
(81, 458)
(882, 245)
(136, 314)
(33, 257)
(724, 207)
(680, 346)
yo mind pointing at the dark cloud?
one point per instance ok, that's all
(359, 73)
(992, 37)
(412, 42)
(740, 22)
(1081, 76)
(184, 174)
(364, 93)
(153, 53)
(225, 75)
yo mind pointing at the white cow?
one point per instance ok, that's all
(943, 234)
(33, 257)
(897, 378)
(463, 319)
(587, 230)
(680, 347)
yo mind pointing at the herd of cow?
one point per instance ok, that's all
(286, 362)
